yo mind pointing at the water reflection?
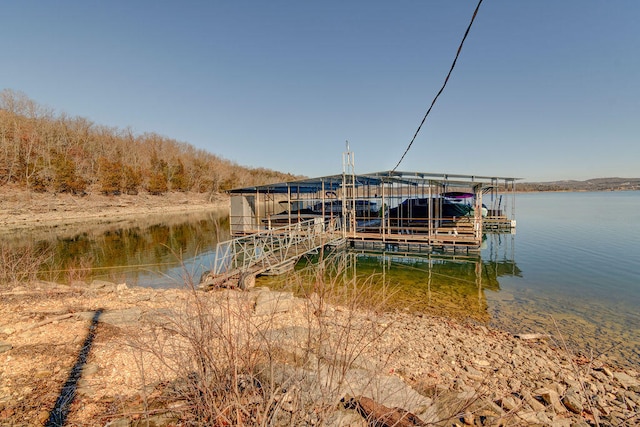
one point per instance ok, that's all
(167, 251)
(156, 251)
(439, 284)
(581, 278)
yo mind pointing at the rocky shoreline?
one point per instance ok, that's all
(321, 356)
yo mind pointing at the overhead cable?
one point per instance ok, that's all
(442, 88)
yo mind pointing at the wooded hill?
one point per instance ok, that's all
(47, 152)
(596, 184)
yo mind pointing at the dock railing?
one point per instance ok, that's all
(275, 247)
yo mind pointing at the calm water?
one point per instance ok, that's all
(579, 254)
(160, 251)
(572, 269)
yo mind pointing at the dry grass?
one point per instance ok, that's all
(222, 363)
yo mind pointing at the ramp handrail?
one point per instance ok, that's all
(275, 246)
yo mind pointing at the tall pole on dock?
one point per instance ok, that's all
(348, 193)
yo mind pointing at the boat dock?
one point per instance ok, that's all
(441, 211)
(275, 224)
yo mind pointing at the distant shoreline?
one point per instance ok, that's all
(596, 184)
(518, 191)
(20, 210)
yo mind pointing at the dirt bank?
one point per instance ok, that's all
(21, 210)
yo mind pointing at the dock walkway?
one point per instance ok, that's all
(272, 251)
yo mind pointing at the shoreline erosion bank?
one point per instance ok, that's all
(492, 375)
(21, 210)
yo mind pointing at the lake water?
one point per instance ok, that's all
(572, 269)
(579, 254)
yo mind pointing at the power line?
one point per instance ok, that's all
(442, 88)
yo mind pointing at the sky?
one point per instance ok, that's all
(542, 90)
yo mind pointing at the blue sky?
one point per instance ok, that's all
(544, 90)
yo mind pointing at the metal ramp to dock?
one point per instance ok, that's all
(272, 251)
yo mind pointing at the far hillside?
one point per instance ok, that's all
(43, 151)
(596, 184)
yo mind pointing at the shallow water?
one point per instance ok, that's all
(572, 269)
(580, 260)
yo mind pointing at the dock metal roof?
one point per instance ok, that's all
(333, 182)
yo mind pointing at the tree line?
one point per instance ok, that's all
(44, 151)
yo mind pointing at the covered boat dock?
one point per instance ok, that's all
(408, 211)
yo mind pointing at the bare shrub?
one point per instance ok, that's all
(21, 265)
(209, 353)
(222, 362)
(343, 311)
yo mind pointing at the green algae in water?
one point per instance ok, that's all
(431, 284)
